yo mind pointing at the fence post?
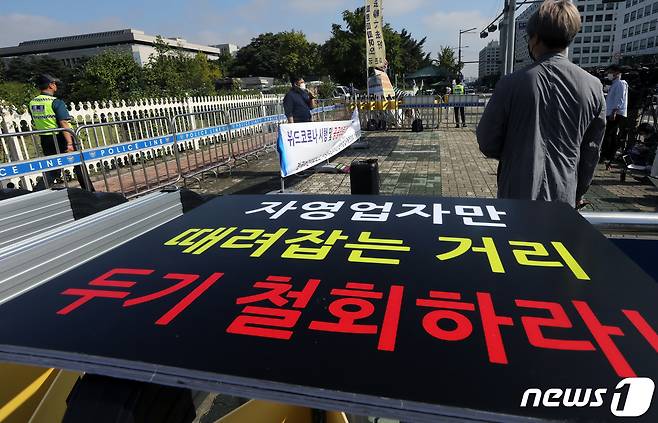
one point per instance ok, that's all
(13, 150)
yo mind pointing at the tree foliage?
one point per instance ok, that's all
(447, 59)
(344, 54)
(172, 72)
(277, 55)
(17, 94)
(110, 75)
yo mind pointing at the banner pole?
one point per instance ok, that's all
(283, 185)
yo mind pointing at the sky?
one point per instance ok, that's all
(237, 22)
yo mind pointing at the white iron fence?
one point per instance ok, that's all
(21, 148)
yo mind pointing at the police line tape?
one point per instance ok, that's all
(64, 160)
(379, 106)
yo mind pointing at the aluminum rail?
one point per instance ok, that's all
(29, 215)
(624, 223)
(31, 262)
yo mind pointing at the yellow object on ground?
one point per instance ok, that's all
(33, 394)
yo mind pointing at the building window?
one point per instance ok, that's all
(590, 7)
(585, 60)
(640, 13)
(576, 50)
(623, 48)
(606, 39)
(598, 18)
(597, 28)
(596, 49)
(645, 27)
(651, 42)
(578, 40)
(595, 60)
(655, 7)
(627, 17)
(586, 50)
(596, 39)
(605, 49)
(636, 45)
(576, 60)
(652, 25)
(587, 40)
(624, 34)
(643, 44)
(647, 11)
(633, 16)
(609, 17)
(589, 18)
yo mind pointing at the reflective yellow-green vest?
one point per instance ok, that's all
(459, 89)
(43, 114)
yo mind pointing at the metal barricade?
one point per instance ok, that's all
(36, 160)
(427, 108)
(328, 110)
(133, 157)
(203, 142)
(472, 105)
(254, 129)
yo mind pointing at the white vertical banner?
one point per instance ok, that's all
(375, 46)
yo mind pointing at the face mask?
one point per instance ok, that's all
(302, 86)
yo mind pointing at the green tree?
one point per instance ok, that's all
(171, 72)
(447, 59)
(326, 89)
(111, 75)
(18, 94)
(225, 64)
(344, 54)
(278, 55)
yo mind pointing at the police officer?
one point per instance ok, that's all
(49, 112)
(459, 90)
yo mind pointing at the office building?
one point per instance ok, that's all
(594, 45)
(521, 55)
(490, 60)
(637, 29)
(73, 49)
(231, 49)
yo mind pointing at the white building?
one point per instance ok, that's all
(594, 45)
(72, 49)
(231, 49)
(490, 60)
(521, 55)
(637, 29)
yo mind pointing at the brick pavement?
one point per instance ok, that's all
(446, 163)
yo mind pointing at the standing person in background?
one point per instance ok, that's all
(49, 112)
(298, 103)
(545, 123)
(459, 90)
(617, 112)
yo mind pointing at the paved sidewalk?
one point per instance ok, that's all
(445, 163)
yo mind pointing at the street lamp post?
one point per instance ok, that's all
(463, 31)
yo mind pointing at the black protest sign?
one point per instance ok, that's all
(401, 307)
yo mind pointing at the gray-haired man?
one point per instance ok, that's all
(546, 123)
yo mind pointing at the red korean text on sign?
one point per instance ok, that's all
(184, 280)
(361, 296)
(272, 322)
